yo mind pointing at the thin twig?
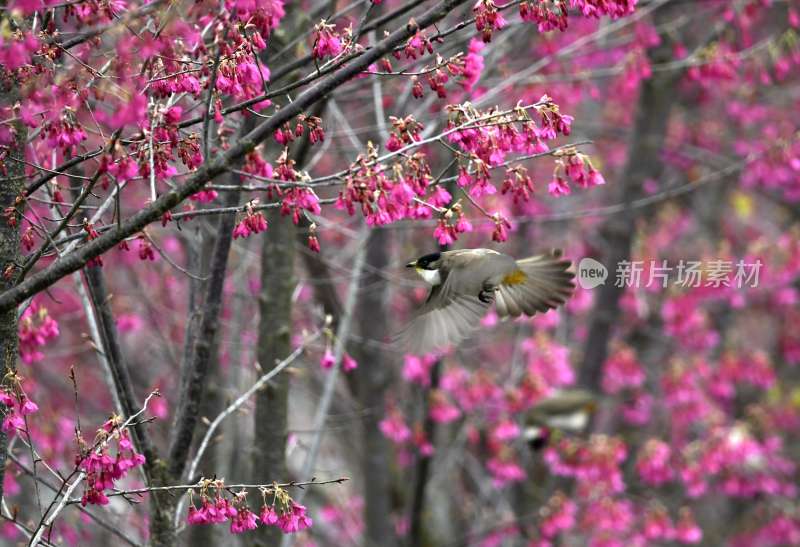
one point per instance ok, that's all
(342, 334)
(248, 486)
(207, 110)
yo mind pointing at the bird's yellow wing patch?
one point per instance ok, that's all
(516, 277)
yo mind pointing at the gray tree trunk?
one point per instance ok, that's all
(372, 380)
(193, 386)
(211, 405)
(10, 188)
(644, 161)
(274, 344)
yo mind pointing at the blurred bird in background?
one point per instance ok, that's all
(565, 411)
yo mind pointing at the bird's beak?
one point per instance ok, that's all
(412, 264)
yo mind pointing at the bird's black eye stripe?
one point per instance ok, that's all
(423, 261)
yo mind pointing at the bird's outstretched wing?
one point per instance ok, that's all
(453, 309)
(539, 283)
(442, 320)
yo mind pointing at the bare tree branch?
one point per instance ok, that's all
(193, 384)
(98, 294)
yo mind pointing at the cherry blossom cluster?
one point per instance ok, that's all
(780, 527)
(327, 42)
(328, 359)
(438, 76)
(688, 322)
(172, 69)
(91, 233)
(548, 14)
(654, 463)
(16, 50)
(447, 231)
(548, 363)
(239, 73)
(16, 403)
(578, 167)
(313, 241)
(219, 505)
(739, 465)
(502, 463)
(103, 470)
(295, 196)
(417, 369)
(473, 65)
(620, 523)
(488, 137)
(483, 141)
(395, 428)
(36, 329)
(701, 390)
(559, 515)
(554, 14)
(252, 223)
(303, 123)
(416, 46)
(405, 131)
(595, 464)
(343, 516)
(407, 439)
(146, 251)
(295, 199)
(504, 467)
(380, 198)
(487, 19)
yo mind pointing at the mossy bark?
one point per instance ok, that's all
(11, 186)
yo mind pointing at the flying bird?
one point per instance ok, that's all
(464, 285)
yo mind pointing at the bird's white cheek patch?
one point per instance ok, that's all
(531, 433)
(570, 422)
(432, 277)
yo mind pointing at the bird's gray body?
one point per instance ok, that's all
(465, 284)
(480, 267)
(565, 403)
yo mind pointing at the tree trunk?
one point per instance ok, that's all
(372, 379)
(418, 528)
(644, 161)
(274, 344)
(10, 189)
(211, 404)
(162, 508)
(193, 386)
